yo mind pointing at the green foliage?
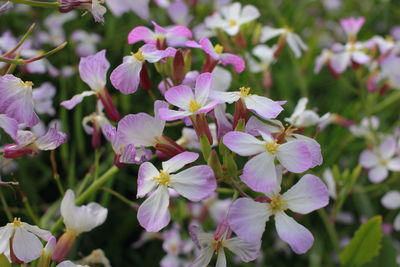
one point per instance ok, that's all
(365, 244)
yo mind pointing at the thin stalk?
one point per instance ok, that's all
(37, 3)
(330, 228)
(121, 197)
(21, 42)
(5, 206)
(29, 209)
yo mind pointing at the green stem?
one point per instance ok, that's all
(37, 3)
(121, 197)
(29, 209)
(330, 229)
(21, 42)
(5, 206)
(96, 163)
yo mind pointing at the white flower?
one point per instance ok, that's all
(303, 117)
(21, 240)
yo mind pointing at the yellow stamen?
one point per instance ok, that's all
(244, 91)
(383, 162)
(217, 245)
(163, 179)
(277, 204)
(27, 83)
(232, 22)
(218, 49)
(138, 55)
(194, 106)
(16, 222)
(272, 146)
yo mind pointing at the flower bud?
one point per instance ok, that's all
(63, 246)
(47, 251)
(178, 72)
(111, 110)
(145, 80)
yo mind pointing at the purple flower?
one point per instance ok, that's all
(16, 100)
(259, 172)
(189, 103)
(126, 77)
(307, 195)
(9, 125)
(217, 55)
(381, 160)
(174, 36)
(352, 26)
(195, 184)
(93, 6)
(43, 99)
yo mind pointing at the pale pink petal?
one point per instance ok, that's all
(153, 214)
(146, 179)
(307, 195)
(368, 159)
(391, 200)
(296, 235)
(378, 173)
(180, 96)
(193, 44)
(180, 31)
(208, 107)
(177, 162)
(204, 257)
(352, 25)
(76, 99)
(263, 106)
(126, 77)
(195, 183)
(360, 57)
(202, 88)
(141, 34)
(51, 140)
(340, 61)
(313, 147)
(247, 251)
(388, 148)
(9, 125)
(394, 164)
(243, 144)
(294, 156)
(259, 173)
(209, 48)
(93, 70)
(26, 246)
(237, 62)
(227, 97)
(246, 212)
(171, 115)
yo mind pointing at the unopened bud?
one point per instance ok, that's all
(63, 246)
(178, 68)
(109, 107)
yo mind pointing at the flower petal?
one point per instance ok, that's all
(141, 34)
(388, 148)
(245, 212)
(153, 214)
(263, 106)
(177, 162)
(9, 125)
(204, 257)
(126, 77)
(180, 96)
(202, 88)
(391, 200)
(247, 251)
(195, 183)
(93, 70)
(294, 156)
(26, 246)
(171, 115)
(243, 144)
(236, 61)
(378, 173)
(296, 235)
(368, 159)
(259, 173)
(76, 99)
(307, 195)
(146, 181)
(394, 164)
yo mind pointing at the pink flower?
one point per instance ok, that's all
(210, 244)
(9, 125)
(173, 36)
(381, 160)
(307, 195)
(189, 103)
(195, 184)
(259, 172)
(352, 26)
(216, 55)
(126, 77)
(349, 54)
(16, 100)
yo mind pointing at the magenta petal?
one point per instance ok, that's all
(296, 235)
(177, 162)
(236, 61)
(9, 125)
(180, 31)
(180, 96)
(247, 219)
(263, 106)
(294, 156)
(126, 77)
(153, 214)
(195, 183)
(141, 34)
(307, 195)
(208, 48)
(93, 70)
(259, 173)
(192, 43)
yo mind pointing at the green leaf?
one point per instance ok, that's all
(4, 261)
(387, 256)
(365, 244)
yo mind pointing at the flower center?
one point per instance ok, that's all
(244, 91)
(383, 162)
(27, 83)
(17, 222)
(232, 22)
(217, 245)
(272, 147)
(163, 179)
(218, 49)
(138, 55)
(277, 204)
(194, 106)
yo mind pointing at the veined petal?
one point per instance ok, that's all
(26, 246)
(141, 34)
(9, 125)
(43, 234)
(236, 61)
(202, 88)
(209, 48)
(76, 99)
(146, 181)
(377, 174)
(153, 214)
(391, 200)
(5, 234)
(247, 219)
(368, 159)
(180, 31)
(51, 140)
(259, 173)
(307, 195)
(246, 251)
(314, 148)
(294, 156)
(195, 183)
(221, 259)
(227, 97)
(93, 70)
(243, 144)
(268, 33)
(296, 235)
(177, 162)
(171, 115)
(180, 96)
(204, 257)
(208, 106)
(126, 77)
(263, 106)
